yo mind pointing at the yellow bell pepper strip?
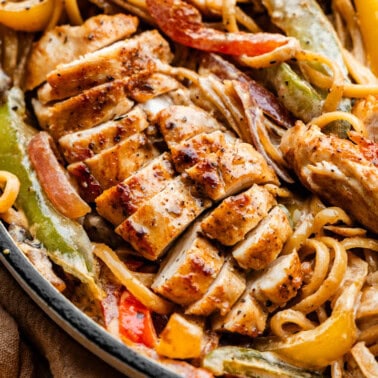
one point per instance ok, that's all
(27, 15)
(65, 240)
(319, 347)
(367, 13)
(181, 338)
(73, 12)
(249, 362)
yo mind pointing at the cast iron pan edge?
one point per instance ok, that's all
(78, 325)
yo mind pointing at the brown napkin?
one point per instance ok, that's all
(32, 345)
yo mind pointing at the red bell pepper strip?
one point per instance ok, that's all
(135, 321)
(183, 23)
(54, 179)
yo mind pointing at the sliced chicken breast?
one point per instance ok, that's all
(131, 57)
(223, 292)
(115, 164)
(147, 87)
(66, 43)
(247, 317)
(197, 148)
(157, 223)
(237, 215)
(90, 108)
(189, 269)
(81, 145)
(264, 243)
(230, 170)
(336, 169)
(279, 282)
(120, 201)
(178, 123)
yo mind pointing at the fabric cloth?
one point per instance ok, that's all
(32, 345)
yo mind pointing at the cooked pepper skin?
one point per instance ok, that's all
(27, 15)
(66, 240)
(305, 20)
(295, 93)
(367, 13)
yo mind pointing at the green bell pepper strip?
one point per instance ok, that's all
(305, 20)
(249, 362)
(65, 240)
(296, 94)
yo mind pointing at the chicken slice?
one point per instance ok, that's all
(197, 148)
(178, 123)
(157, 223)
(263, 244)
(189, 269)
(120, 201)
(131, 57)
(115, 164)
(222, 294)
(336, 170)
(90, 108)
(230, 170)
(81, 145)
(221, 164)
(66, 43)
(237, 215)
(145, 88)
(247, 317)
(279, 282)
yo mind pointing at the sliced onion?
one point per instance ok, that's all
(131, 282)
(54, 179)
(253, 112)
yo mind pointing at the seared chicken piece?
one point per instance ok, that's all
(222, 294)
(81, 145)
(279, 282)
(247, 317)
(336, 170)
(179, 123)
(196, 149)
(189, 269)
(231, 170)
(221, 164)
(145, 88)
(264, 243)
(157, 223)
(237, 215)
(120, 201)
(179, 96)
(155, 105)
(66, 43)
(88, 109)
(131, 57)
(115, 164)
